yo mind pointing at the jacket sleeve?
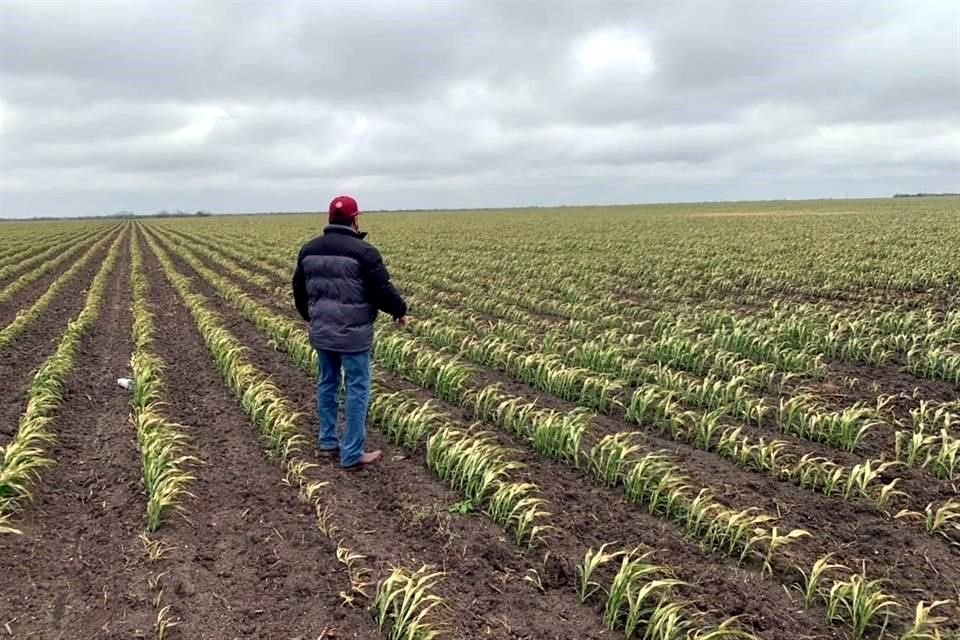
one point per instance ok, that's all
(300, 290)
(380, 290)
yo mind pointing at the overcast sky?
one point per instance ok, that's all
(254, 106)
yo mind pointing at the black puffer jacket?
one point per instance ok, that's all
(339, 285)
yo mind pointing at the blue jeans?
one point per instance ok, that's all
(356, 370)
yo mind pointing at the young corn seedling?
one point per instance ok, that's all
(559, 435)
(861, 480)
(403, 604)
(357, 573)
(913, 447)
(945, 459)
(592, 560)
(944, 520)
(774, 542)
(861, 604)
(810, 584)
(164, 622)
(515, 509)
(609, 457)
(925, 625)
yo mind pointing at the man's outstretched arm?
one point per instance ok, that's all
(300, 291)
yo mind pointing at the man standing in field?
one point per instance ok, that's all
(339, 285)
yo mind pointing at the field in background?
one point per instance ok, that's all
(685, 421)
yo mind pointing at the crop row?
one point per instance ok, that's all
(36, 269)
(27, 316)
(25, 455)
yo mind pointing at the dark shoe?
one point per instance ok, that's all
(365, 460)
(328, 453)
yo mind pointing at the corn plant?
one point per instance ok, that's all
(558, 435)
(944, 520)
(403, 604)
(473, 463)
(515, 507)
(593, 560)
(924, 625)
(861, 604)
(609, 457)
(810, 584)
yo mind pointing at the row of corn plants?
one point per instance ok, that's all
(640, 599)
(860, 603)
(162, 444)
(53, 258)
(470, 461)
(56, 290)
(25, 456)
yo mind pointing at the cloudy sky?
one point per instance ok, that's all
(253, 106)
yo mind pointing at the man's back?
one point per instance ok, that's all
(339, 285)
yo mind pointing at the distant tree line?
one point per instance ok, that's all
(926, 195)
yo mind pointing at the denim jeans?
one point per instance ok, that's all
(356, 371)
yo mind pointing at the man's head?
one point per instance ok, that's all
(344, 210)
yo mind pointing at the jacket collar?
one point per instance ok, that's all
(344, 229)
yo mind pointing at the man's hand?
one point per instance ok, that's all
(401, 322)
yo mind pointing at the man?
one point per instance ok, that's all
(339, 285)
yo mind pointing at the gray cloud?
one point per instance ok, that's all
(244, 106)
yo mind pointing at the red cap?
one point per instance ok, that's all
(343, 209)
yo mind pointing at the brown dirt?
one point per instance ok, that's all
(398, 514)
(78, 571)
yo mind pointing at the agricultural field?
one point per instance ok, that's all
(697, 422)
